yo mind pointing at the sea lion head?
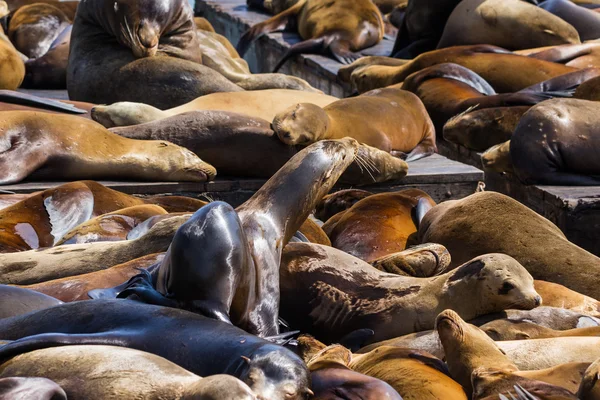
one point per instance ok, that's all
(467, 348)
(125, 113)
(218, 387)
(497, 158)
(303, 123)
(496, 282)
(275, 373)
(508, 329)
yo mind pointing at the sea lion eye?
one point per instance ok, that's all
(506, 287)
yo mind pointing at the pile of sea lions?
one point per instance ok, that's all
(302, 291)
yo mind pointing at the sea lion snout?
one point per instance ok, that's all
(148, 35)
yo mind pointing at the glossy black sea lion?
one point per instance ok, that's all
(201, 345)
(144, 51)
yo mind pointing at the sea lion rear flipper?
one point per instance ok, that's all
(275, 23)
(341, 52)
(421, 151)
(308, 46)
(11, 96)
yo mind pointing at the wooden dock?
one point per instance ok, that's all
(232, 18)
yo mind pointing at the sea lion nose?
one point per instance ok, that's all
(538, 301)
(147, 35)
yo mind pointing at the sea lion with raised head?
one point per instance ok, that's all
(264, 104)
(88, 372)
(138, 51)
(41, 146)
(478, 224)
(336, 293)
(201, 345)
(512, 24)
(341, 28)
(389, 119)
(556, 142)
(18, 301)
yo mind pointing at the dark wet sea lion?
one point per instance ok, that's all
(31, 388)
(33, 28)
(18, 301)
(556, 142)
(389, 119)
(88, 372)
(338, 201)
(75, 288)
(50, 70)
(504, 71)
(201, 345)
(44, 146)
(342, 28)
(378, 225)
(119, 55)
(585, 21)
(335, 293)
(478, 224)
(513, 24)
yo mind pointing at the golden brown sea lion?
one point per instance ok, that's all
(335, 293)
(389, 119)
(378, 225)
(264, 104)
(478, 224)
(76, 288)
(512, 24)
(12, 68)
(42, 146)
(555, 295)
(87, 372)
(339, 27)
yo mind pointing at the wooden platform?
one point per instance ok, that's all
(232, 18)
(442, 178)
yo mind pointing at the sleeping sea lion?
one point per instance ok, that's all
(341, 28)
(505, 329)
(41, 146)
(392, 120)
(555, 295)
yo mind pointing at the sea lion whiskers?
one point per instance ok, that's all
(459, 115)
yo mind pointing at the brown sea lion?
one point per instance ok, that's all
(589, 90)
(31, 388)
(392, 120)
(263, 104)
(19, 301)
(338, 201)
(336, 293)
(512, 24)
(33, 28)
(50, 70)
(12, 68)
(478, 224)
(42, 146)
(76, 288)
(468, 349)
(494, 64)
(590, 388)
(378, 225)
(505, 329)
(153, 54)
(555, 143)
(586, 22)
(87, 372)
(555, 295)
(111, 226)
(341, 28)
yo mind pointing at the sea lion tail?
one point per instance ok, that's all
(11, 96)
(308, 46)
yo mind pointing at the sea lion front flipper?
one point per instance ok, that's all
(275, 23)
(13, 97)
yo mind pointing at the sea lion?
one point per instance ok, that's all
(236, 253)
(50, 70)
(36, 266)
(468, 349)
(12, 68)
(42, 146)
(211, 347)
(31, 388)
(136, 37)
(264, 104)
(338, 201)
(87, 372)
(555, 295)
(340, 28)
(585, 21)
(33, 28)
(225, 138)
(421, 261)
(477, 224)
(497, 158)
(500, 22)
(392, 120)
(555, 144)
(495, 65)
(505, 329)
(76, 288)
(525, 389)
(378, 225)
(336, 293)
(584, 55)
(589, 388)
(112, 226)
(19, 301)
